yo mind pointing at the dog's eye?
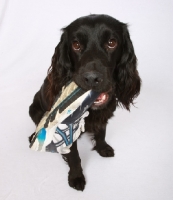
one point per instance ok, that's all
(112, 43)
(76, 45)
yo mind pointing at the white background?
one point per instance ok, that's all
(142, 168)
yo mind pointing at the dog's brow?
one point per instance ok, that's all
(80, 35)
(105, 33)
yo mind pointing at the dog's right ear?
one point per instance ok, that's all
(61, 64)
(59, 73)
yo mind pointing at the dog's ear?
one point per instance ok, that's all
(61, 64)
(127, 79)
(59, 72)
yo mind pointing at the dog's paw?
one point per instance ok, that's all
(105, 150)
(77, 183)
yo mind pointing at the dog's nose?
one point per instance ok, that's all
(92, 78)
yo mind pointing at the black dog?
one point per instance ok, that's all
(96, 52)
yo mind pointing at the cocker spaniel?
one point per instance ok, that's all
(97, 53)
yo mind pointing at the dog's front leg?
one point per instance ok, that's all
(101, 146)
(76, 178)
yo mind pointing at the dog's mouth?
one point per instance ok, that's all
(101, 100)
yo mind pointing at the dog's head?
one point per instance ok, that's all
(96, 52)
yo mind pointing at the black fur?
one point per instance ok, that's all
(94, 66)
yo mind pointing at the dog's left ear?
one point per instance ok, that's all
(127, 78)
